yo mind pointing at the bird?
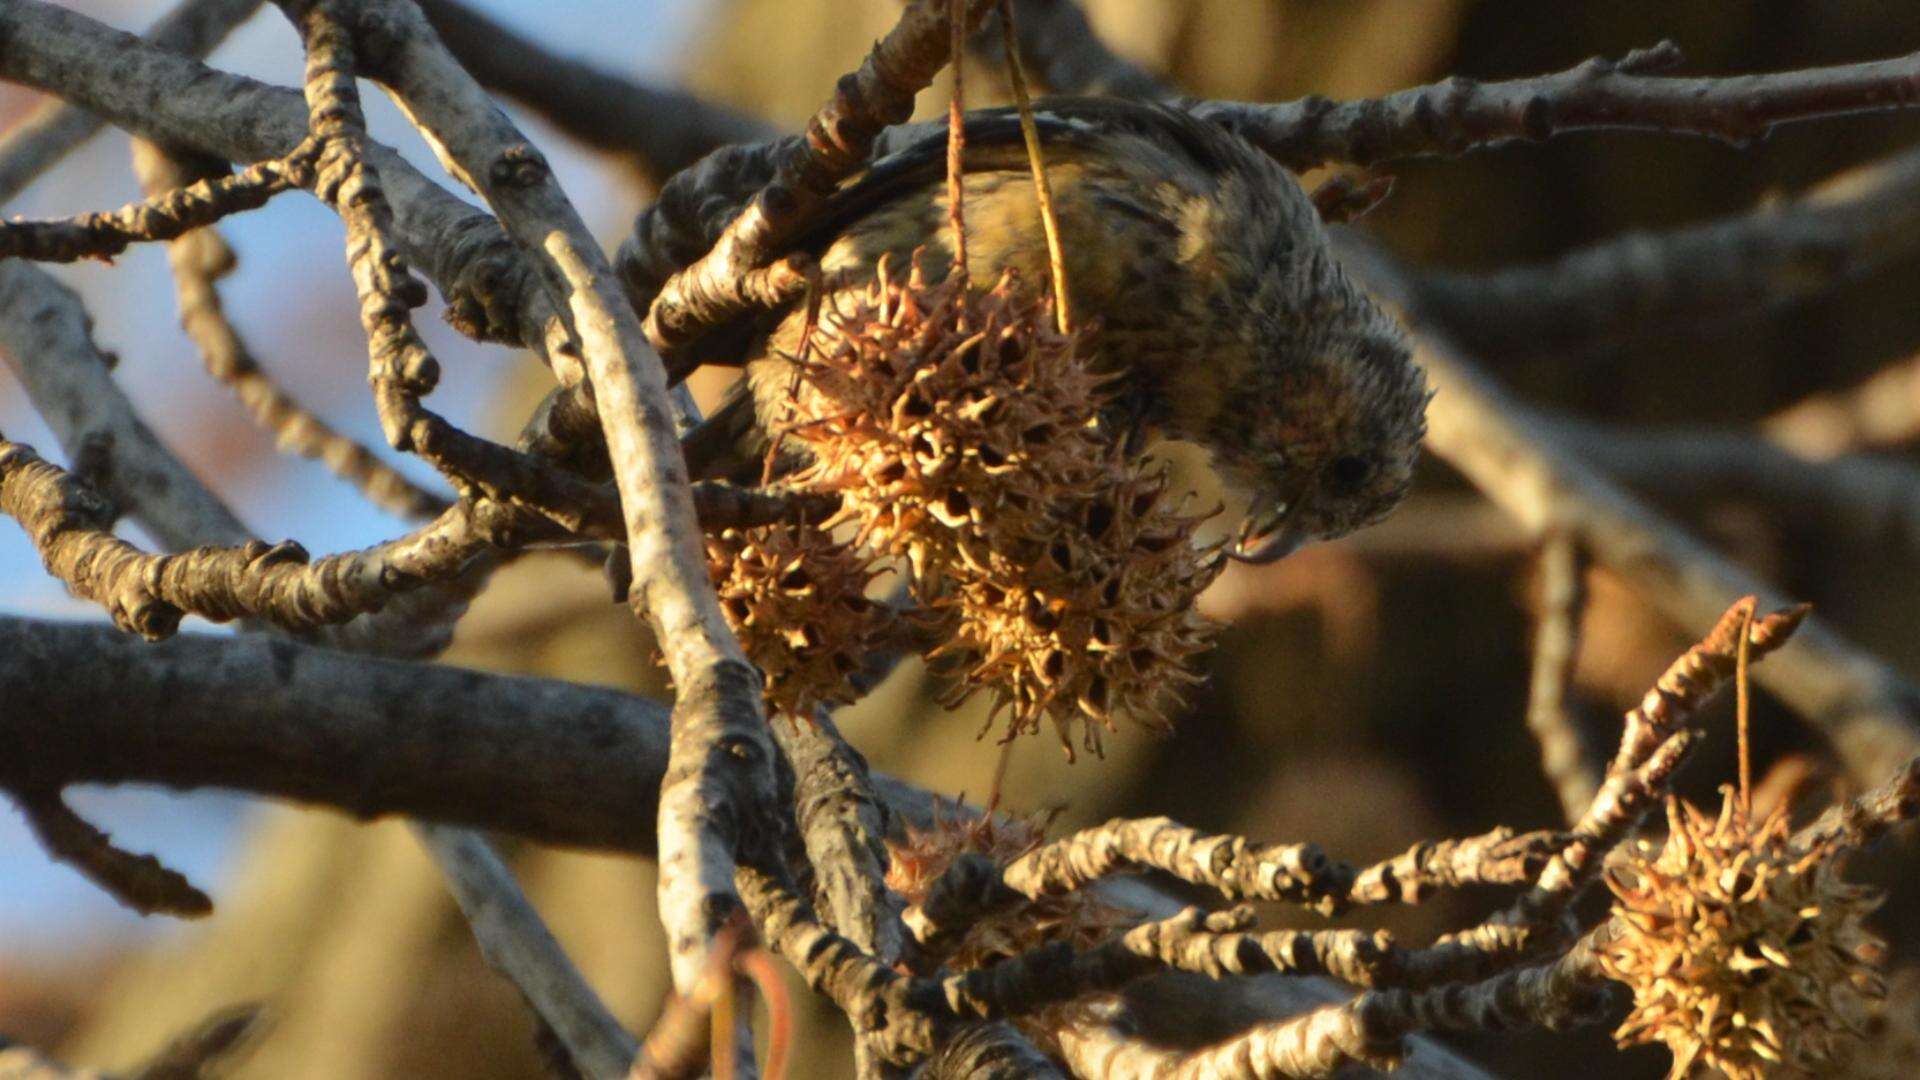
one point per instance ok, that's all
(1205, 277)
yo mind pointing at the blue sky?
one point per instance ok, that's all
(307, 335)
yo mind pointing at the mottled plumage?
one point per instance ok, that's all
(1205, 274)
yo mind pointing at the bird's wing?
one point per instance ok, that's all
(1069, 128)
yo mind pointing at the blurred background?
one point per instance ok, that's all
(1365, 695)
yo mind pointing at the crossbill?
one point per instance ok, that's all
(1204, 275)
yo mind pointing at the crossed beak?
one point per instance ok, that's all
(1272, 531)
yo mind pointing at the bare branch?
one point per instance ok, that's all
(1296, 873)
(555, 762)
(165, 216)
(518, 945)
(1687, 684)
(1844, 229)
(838, 141)
(551, 761)
(1316, 1044)
(1858, 499)
(843, 828)
(1137, 1036)
(421, 628)
(1863, 819)
(141, 882)
(1865, 709)
(722, 768)
(39, 142)
(46, 338)
(402, 368)
(1556, 644)
(491, 291)
(1367, 1030)
(199, 260)
(1458, 115)
(659, 130)
(70, 525)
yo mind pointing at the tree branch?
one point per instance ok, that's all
(71, 527)
(838, 141)
(1457, 115)
(490, 287)
(1842, 230)
(46, 338)
(1865, 709)
(164, 216)
(660, 131)
(141, 882)
(721, 778)
(518, 945)
(1556, 645)
(1859, 498)
(551, 761)
(39, 142)
(199, 260)
(844, 830)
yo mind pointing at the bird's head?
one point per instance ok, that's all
(1324, 442)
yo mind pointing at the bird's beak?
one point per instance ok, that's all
(1272, 531)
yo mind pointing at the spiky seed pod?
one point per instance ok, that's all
(797, 600)
(1086, 613)
(920, 859)
(963, 431)
(1745, 952)
(939, 403)
(1077, 918)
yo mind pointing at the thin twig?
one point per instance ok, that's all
(491, 290)
(70, 525)
(141, 882)
(957, 137)
(165, 216)
(45, 336)
(1556, 643)
(199, 260)
(838, 141)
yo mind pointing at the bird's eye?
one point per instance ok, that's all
(1348, 474)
